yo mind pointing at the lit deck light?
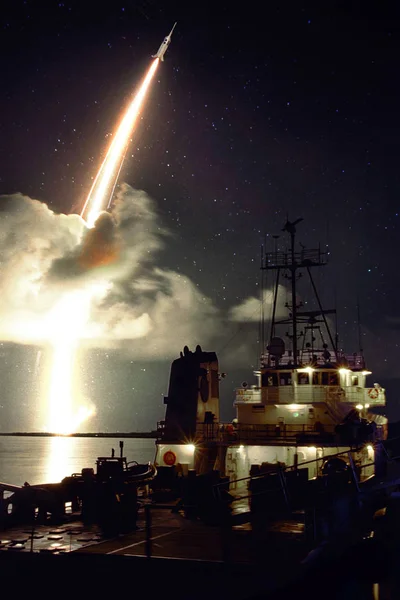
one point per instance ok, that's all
(308, 370)
(191, 447)
(359, 406)
(343, 371)
(294, 406)
(366, 372)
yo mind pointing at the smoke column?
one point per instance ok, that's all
(73, 311)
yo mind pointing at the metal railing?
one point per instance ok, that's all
(305, 258)
(309, 394)
(227, 433)
(353, 361)
(220, 489)
(280, 470)
(356, 470)
(243, 433)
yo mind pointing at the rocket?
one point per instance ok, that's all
(163, 48)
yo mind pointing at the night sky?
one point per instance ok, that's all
(255, 114)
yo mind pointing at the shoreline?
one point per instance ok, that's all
(131, 434)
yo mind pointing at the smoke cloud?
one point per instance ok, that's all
(135, 305)
(250, 309)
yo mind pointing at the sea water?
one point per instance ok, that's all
(49, 459)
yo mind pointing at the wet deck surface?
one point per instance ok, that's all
(56, 540)
(172, 536)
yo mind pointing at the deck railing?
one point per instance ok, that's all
(227, 433)
(309, 394)
(352, 361)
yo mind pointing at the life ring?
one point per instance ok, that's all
(169, 458)
(373, 393)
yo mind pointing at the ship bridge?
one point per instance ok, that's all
(311, 385)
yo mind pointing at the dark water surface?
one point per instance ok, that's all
(50, 459)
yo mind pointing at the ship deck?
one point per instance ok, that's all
(215, 562)
(171, 536)
(188, 558)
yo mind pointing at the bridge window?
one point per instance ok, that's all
(285, 379)
(333, 379)
(329, 378)
(303, 379)
(354, 380)
(269, 379)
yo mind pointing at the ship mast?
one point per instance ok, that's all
(291, 262)
(291, 229)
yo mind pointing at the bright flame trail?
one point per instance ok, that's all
(73, 311)
(65, 324)
(99, 195)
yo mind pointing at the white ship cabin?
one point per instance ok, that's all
(313, 395)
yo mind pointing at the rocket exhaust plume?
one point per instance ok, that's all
(65, 343)
(100, 195)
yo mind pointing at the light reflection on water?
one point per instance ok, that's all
(61, 448)
(50, 459)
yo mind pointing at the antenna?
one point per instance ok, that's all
(359, 325)
(290, 262)
(336, 323)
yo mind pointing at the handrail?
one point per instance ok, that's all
(296, 467)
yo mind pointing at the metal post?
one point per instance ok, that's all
(295, 460)
(283, 486)
(353, 469)
(293, 268)
(147, 510)
(33, 530)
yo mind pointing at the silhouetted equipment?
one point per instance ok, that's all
(334, 465)
(107, 497)
(291, 227)
(276, 347)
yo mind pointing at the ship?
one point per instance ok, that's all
(307, 448)
(309, 403)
